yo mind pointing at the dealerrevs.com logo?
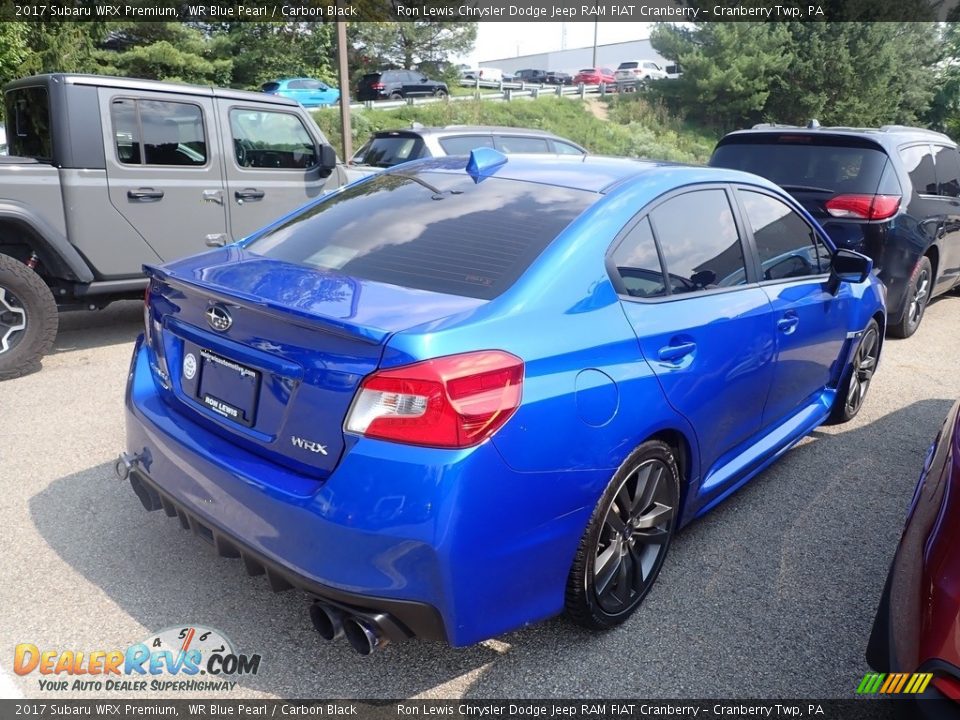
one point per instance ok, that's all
(186, 658)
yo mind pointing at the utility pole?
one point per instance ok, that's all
(344, 90)
(595, 25)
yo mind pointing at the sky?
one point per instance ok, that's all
(497, 40)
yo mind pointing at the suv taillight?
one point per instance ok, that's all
(863, 207)
(452, 402)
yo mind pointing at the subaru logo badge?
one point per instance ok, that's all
(219, 318)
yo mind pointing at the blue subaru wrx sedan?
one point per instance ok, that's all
(462, 396)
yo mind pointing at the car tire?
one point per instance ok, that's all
(396, 96)
(915, 299)
(853, 389)
(440, 93)
(28, 319)
(616, 563)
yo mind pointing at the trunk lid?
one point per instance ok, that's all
(270, 354)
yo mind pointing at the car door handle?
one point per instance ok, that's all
(248, 194)
(787, 324)
(145, 193)
(672, 353)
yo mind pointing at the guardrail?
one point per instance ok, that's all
(505, 91)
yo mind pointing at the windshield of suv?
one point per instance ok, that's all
(28, 123)
(628, 66)
(799, 162)
(430, 231)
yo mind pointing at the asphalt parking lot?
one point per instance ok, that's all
(772, 595)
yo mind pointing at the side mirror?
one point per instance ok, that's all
(848, 266)
(328, 159)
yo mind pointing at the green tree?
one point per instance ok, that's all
(736, 74)
(163, 51)
(406, 44)
(13, 50)
(62, 47)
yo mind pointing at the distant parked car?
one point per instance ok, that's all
(594, 76)
(918, 619)
(306, 91)
(892, 193)
(531, 76)
(399, 84)
(631, 74)
(559, 78)
(391, 147)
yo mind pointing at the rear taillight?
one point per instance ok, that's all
(863, 207)
(146, 316)
(377, 86)
(948, 686)
(152, 336)
(452, 402)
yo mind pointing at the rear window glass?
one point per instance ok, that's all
(464, 144)
(389, 151)
(270, 87)
(627, 65)
(803, 165)
(919, 164)
(28, 123)
(432, 231)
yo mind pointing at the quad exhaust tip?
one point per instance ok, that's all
(364, 636)
(327, 620)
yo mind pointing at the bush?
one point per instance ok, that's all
(634, 128)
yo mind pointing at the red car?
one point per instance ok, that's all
(594, 76)
(917, 628)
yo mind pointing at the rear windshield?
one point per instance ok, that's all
(798, 163)
(628, 65)
(28, 123)
(389, 151)
(589, 71)
(430, 231)
(269, 87)
(371, 77)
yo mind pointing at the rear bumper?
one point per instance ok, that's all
(452, 543)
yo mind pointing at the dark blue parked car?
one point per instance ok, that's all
(306, 91)
(449, 401)
(892, 193)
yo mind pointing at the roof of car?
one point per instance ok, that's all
(593, 173)
(468, 130)
(154, 85)
(881, 135)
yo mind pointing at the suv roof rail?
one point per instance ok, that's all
(766, 126)
(908, 128)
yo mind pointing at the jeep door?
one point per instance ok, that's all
(164, 171)
(271, 163)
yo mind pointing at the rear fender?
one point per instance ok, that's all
(21, 225)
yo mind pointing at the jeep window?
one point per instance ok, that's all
(271, 140)
(948, 170)
(153, 132)
(919, 164)
(562, 148)
(28, 110)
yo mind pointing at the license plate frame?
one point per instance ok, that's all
(220, 377)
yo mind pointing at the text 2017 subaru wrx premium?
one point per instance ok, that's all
(462, 396)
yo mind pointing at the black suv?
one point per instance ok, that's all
(892, 193)
(531, 76)
(399, 84)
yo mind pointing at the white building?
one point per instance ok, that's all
(574, 59)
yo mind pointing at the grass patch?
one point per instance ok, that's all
(634, 129)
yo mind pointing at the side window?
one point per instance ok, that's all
(638, 263)
(948, 171)
(562, 148)
(699, 240)
(463, 144)
(919, 164)
(126, 130)
(271, 140)
(788, 247)
(515, 144)
(154, 132)
(296, 85)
